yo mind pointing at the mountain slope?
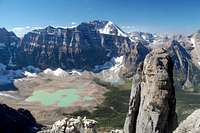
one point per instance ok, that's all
(81, 47)
(8, 46)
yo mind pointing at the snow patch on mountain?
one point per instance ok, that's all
(58, 72)
(112, 74)
(118, 64)
(61, 73)
(193, 42)
(112, 29)
(29, 74)
(74, 72)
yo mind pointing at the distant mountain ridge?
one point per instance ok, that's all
(92, 44)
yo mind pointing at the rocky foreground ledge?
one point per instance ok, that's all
(73, 125)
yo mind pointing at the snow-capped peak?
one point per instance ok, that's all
(112, 29)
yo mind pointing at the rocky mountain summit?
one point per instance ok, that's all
(91, 44)
(152, 102)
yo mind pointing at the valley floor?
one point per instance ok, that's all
(50, 98)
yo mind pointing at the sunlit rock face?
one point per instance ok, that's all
(195, 39)
(73, 125)
(152, 102)
(190, 124)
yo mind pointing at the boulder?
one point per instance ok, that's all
(73, 125)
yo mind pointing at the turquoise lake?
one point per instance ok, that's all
(62, 98)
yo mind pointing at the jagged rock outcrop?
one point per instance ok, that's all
(153, 111)
(191, 124)
(17, 121)
(72, 125)
(134, 102)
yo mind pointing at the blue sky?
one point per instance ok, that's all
(163, 16)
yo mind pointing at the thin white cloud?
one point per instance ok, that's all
(73, 23)
(20, 31)
(127, 27)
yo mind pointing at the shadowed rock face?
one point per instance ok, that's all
(133, 58)
(16, 121)
(153, 111)
(134, 102)
(8, 47)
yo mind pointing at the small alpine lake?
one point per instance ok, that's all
(62, 97)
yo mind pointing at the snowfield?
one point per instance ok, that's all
(109, 28)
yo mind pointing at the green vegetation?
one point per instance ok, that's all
(112, 112)
(186, 103)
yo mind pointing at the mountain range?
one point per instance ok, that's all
(92, 44)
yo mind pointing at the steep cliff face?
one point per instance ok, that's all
(134, 103)
(90, 45)
(186, 72)
(81, 47)
(133, 58)
(182, 65)
(8, 46)
(153, 111)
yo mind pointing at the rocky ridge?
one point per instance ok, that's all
(90, 45)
